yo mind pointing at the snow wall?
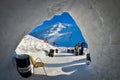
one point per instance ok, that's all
(99, 21)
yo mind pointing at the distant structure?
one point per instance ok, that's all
(46, 41)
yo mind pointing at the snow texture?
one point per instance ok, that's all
(59, 67)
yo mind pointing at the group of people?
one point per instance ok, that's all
(80, 49)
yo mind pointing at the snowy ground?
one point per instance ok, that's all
(63, 66)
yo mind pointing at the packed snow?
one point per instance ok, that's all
(59, 67)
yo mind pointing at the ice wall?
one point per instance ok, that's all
(99, 21)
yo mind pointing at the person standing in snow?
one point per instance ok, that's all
(76, 49)
(81, 48)
(88, 58)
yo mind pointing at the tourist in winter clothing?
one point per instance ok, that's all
(81, 48)
(76, 49)
(87, 53)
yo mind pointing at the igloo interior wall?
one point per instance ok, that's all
(99, 21)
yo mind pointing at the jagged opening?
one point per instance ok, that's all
(61, 29)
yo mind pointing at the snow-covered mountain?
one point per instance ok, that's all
(57, 32)
(61, 30)
(33, 46)
(36, 47)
